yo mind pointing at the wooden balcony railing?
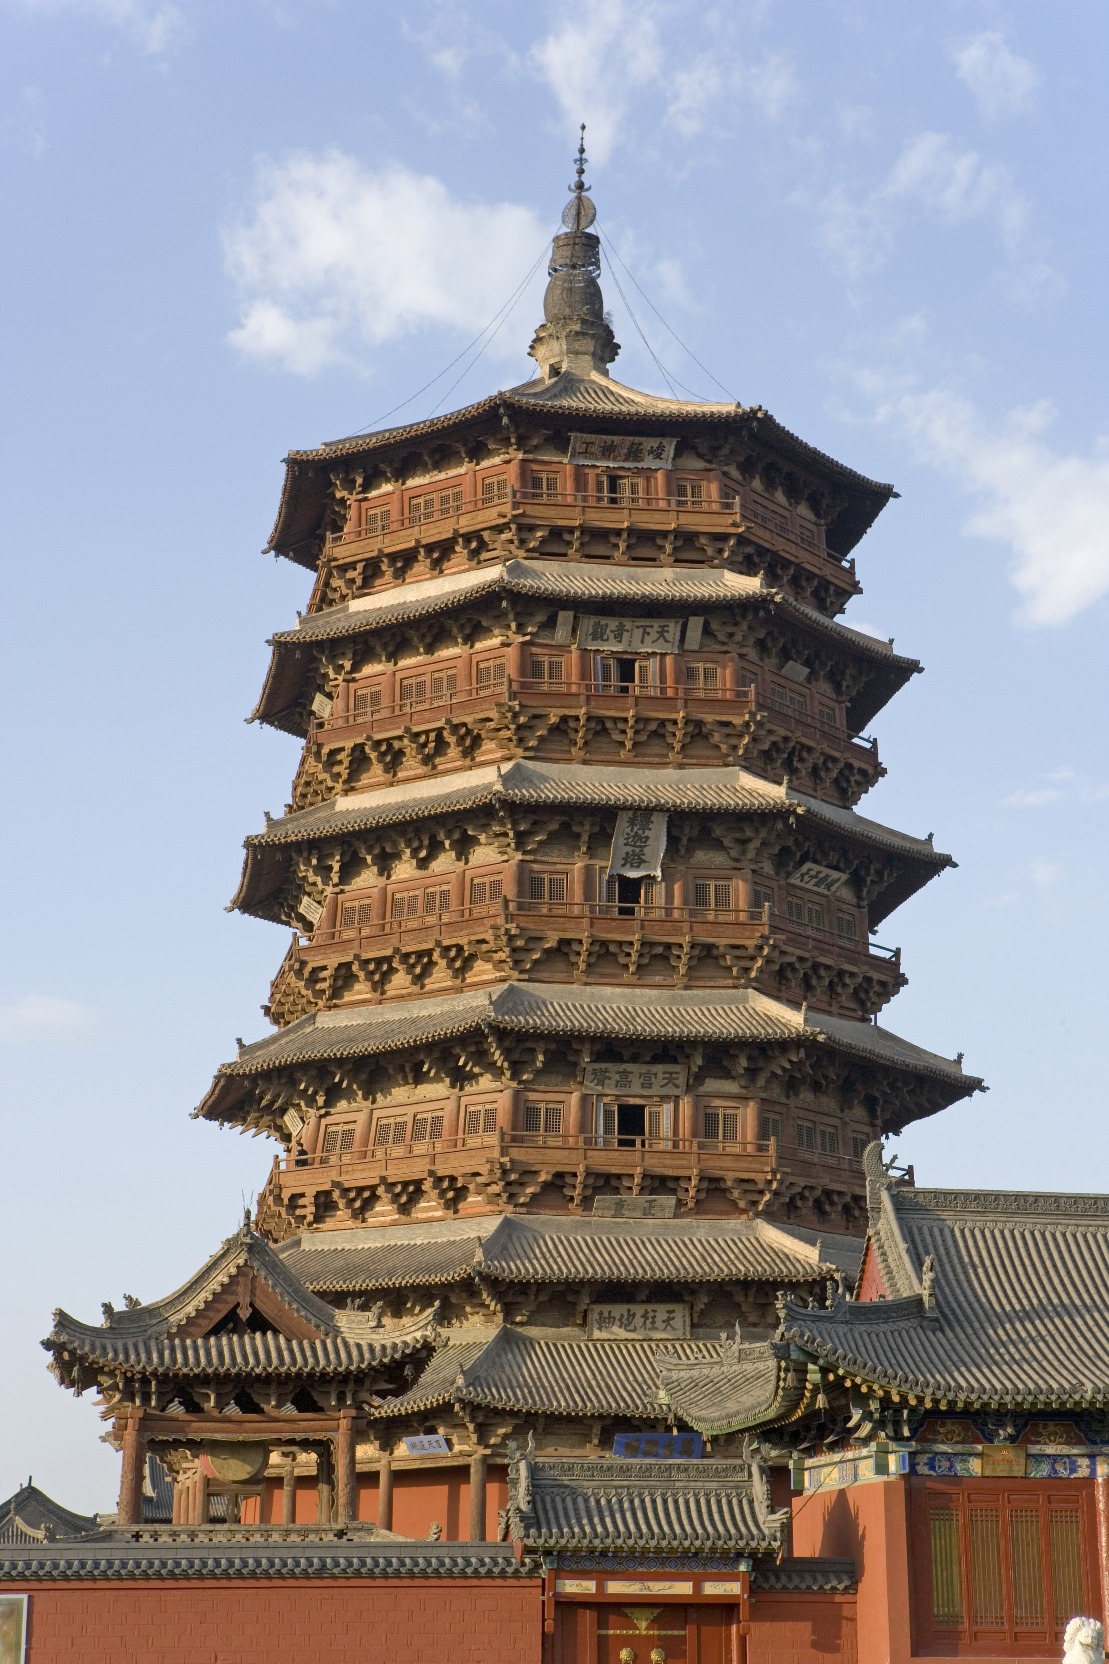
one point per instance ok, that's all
(604, 917)
(606, 698)
(563, 1149)
(650, 509)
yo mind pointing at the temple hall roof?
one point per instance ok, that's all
(673, 1507)
(747, 1386)
(541, 1249)
(994, 1299)
(580, 582)
(154, 1339)
(543, 1374)
(30, 1516)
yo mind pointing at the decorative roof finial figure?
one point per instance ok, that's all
(575, 335)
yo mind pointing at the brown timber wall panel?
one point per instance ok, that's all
(327, 1620)
(801, 1628)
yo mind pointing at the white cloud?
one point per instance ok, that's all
(154, 26)
(44, 1017)
(1001, 82)
(1039, 876)
(594, 61)
(1060, 785)
(948, 181)
(334, 259)
(1049, 507)
(607, 52)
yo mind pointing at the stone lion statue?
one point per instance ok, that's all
(1083, 1642)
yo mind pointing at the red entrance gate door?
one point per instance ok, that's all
(642, 1633)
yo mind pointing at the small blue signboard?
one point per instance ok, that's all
(659, 1447)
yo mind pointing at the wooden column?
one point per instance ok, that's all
(362, 1128)
(289, 1492)
(451, 1128)
(506, 1109)
(385, 1492)
(201, 1499)
(346, 1482)
(577, 1114)
(323, 1484)
(479, 1466)
(1101, 1499)
(134, 1464)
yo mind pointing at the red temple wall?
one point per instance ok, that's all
(327, 1620)
(421, 1498)
(802, 1629)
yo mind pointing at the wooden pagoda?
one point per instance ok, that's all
(575, 1049)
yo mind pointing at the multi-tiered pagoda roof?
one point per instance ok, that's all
(574, 1053)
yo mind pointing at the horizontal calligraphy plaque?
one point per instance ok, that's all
(647, 1586)
(575, 1585)
(427, 1444)
(721, 1586)
(825, 880)
(637, 1078)
(638, 1320)
(621, 450)
(634, 1207)
(658, 1447)
(631, 635)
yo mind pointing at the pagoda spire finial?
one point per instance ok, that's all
(575, 334)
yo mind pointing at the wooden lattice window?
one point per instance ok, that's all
(545, 485)
(406, 905)
(391, 1132)
(485, 890)
(713, 895)
(788, 699)
(827, 716)
(620, 489)
(494, 489)
(437, 898)
(828, 1140)
(356, 913)
(547, 668)
(427, 1129)
(479, 1120)
(543, 1118)
(999, 1569)
(702, 678)
(770, 1126)
(547, 886)
(422, 690)
(367, 701)
(490, 673)
(721, 1125)
(375, 521)
(846, 927)
(762, 895)
(806, 1135)
(337, 1140)
(690, 493)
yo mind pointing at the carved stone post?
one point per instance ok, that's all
(134, 1465)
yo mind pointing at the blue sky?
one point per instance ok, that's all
(237, 226)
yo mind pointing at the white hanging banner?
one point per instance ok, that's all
(638, 844)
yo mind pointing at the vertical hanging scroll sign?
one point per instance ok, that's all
(638, 844)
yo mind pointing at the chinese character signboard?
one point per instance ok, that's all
(634, 1207)
(638, 1079)
(636, 1320)
(630, 635)
(426, 1444)
(825, 880)
(621, 450)
(659, 1447)
(638, 843)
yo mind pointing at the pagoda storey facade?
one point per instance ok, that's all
(578, 1044)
